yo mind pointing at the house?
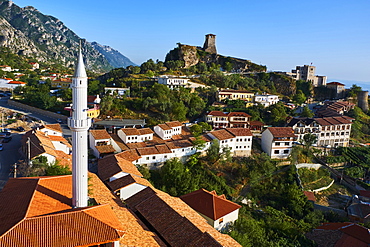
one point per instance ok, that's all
(330, 131)
(217, 210)
(62, 83)
(6, 68)
(176, 222)
(238, 140)
(231, 94)
(120, 91)
(334, 109)
(52, 129)
(168, 129)
(340, 235)
(266, 99)
(35, 65)
(101, 143)
(93, 104)
(173, 82)
(14, 84)
(277, 142)
(219, 119)
(133, 135)
(41, 214)
(128, 185)
(153, 156)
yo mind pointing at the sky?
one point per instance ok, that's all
(333, 35)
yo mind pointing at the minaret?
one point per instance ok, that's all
(79, 124)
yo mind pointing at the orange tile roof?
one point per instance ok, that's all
(173, 124)
(16, 82)
(175, 221)
(100, 134)
(147, 151)
(119, 142)
(179, 144)
(30, 205)
(130, 155)
(282, 131)
(310, 195)
(238, 114)
(55, 127)
(209, 204)
(105, 149)
(137, 233)
(126, 181)
(39, 143)
(240, 131)
(64, 159)
(164, 126)
(145, 131)
(163, 149)
(222, 134)
(217, 113)
(136, 145)
(113, 164)
(130, 131)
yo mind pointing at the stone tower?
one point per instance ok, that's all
(362, 100)
(79, 124)
(210, 44)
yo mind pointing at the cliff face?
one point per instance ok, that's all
(192, 55)
(114, 57)
(27, 31)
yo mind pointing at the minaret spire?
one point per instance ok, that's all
(79, 124)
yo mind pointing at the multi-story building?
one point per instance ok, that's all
(338, 89)
(333, 131)
(167, 130)
(62, 83)
(133, 135)
(238, 140)
(219, 119)
(307, 73)
(173, 82)
(277, 142)
(119, 90)
(231, 94)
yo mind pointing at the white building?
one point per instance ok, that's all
(101, 143)
(173, 82)
(330, 131)
(217, 210)
(238, 140)
(219, 119)
(133, 135)
(154, 156)
(277, 142)
(266, 99)
(167, 130)
(119, 90)
(52, 129)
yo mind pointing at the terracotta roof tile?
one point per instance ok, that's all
(164, 126)
(240, 131)
(136, 145)
(163, 149)
(209, 204)
(55, 127)
(126, 181)
(217, 113)
(179, 144)
(100, 134)
(173, 124)
(147, 151)
(130, 131)
(282, 131)
(130, 155)
(238, 114)
(145, 131)
(114, 164)
(119, 142)
(105, 149)
(64, 159)
(335, 83)
(234, 91)
(222, 134)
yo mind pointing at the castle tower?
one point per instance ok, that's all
(79, 124)
(362, 100)
(210, 44)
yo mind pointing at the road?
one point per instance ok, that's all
(11, 152)
(9, 156)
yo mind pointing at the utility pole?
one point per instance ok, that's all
(29, 151)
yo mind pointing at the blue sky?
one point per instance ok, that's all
(333, 35)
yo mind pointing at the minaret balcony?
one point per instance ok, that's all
(79, 123)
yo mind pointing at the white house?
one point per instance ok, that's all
(277, 142)
(217, 210)
(153, 156)
(129, 185)
(101, 143)
(133, 135)
(52, 129)
(266, 99)
(167, 130)
(219, 119)
(238, 140)
(120, 91)
(173, 82)
(6, 68)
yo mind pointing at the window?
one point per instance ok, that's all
(147, 158)
(287, 144)
(276, 151)
(153, 158)
(221, 220)
(277, 143)
(286, 151)
(165, 156)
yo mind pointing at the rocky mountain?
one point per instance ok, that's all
(114, 57)
(28, 32)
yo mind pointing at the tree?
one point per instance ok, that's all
(309, 139)
(306, 112)
(299, 97)
(228, 66)
(213, 152)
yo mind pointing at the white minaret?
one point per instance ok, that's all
(79, 124)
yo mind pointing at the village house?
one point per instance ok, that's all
(133, 135)
(168, 130)
(338, 89)
(334, 109)
(266, 99)
(333, 131)
(217, 210)
(120, 91)
(277, 142)
(62, 83)
(6, 68)
(238, 140)
(231, 94)
(35, 65)
(173, 82)
(51, 129)
(101, 143)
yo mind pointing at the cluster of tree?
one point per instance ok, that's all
(41, 167)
